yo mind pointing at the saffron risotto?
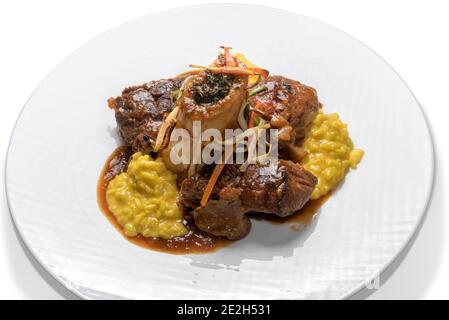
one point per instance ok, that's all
(143, 199)
(329, 152)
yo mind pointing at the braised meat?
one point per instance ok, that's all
(224, 217)
(215, 97)
(280, 189)
(290, 106)
(140, 111)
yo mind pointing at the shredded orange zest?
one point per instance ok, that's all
(211, 183)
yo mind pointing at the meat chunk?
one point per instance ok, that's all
(140, 111)
(290, 105)
(282, 192)
(279, 189)
(224, 217)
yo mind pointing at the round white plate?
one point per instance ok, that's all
(66, 132)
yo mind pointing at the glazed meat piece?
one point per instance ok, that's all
(224, 217)
(290, 106)
(283, 192)
(140, 110)
(280, 189)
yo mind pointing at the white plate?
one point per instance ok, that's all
(66, 132)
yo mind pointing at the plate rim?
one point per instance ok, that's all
(351, 292)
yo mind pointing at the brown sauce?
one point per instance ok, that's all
(195, 241)
(300, 218)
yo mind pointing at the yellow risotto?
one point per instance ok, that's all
(143, 199)
(252, 80)
(329, 152)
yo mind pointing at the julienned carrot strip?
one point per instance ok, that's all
(232, 70)
(188, 73)
(229, 59)
(211, 183)
(252, 116)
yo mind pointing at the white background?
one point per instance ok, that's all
(411, 35)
